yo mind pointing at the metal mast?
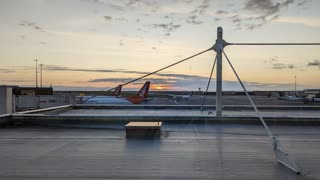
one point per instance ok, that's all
(36, 60)
(218, 48)
(41, 65)
(295, 85)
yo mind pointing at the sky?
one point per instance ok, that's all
(98, 44)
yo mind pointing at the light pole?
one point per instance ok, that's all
(41, 65)
(36, 60)
(295, 85)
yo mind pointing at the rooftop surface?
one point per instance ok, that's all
(88, 142)
(188, 112)
(185, 151)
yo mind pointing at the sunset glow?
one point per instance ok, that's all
(98, 44)
(159, 87)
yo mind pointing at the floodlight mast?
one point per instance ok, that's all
(218, 48)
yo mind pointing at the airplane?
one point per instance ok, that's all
(177, 98)
(305, 100)
(117, 91)
(140, 97)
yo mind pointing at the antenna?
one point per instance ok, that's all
(218, 47)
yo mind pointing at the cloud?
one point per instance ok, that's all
(272, 60)
(291, 66)
(222, 12)
(110, 18)
(129, 5)
(16, 81)
(181, 76)
(257, 12)
(177, 81)
(152, 6)
(167, 28)
(275, 64)
(132, 2)
(79, 88)
(262, 11)
(283, 66)
(266, 11)
(121, 19)
(254, 26)
(195, 82)
(124, 80)
(203, 7)
(32, 25)
(274, 17)
(236, 20)
(315, 63)
(172, 79)
(113, 4)
(279, 66)
(266, 7)
(303, 2)
(64, 68)
(6, 71)
(168, 81)
(121, 43)
(167, 75)
(107, 18)
(310, 22)
(23, 37)
(192, 20)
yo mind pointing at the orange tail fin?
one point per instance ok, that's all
(117, 91)
(141, 95)
(143, 92)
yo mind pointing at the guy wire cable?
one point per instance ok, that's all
(149, 74)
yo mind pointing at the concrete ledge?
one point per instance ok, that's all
(85, 119)
(197, 107)
(143, 129)
(5, 119)
(45, 109)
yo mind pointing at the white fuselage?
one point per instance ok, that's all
(181, 97)
(104, 100)
(290, 98)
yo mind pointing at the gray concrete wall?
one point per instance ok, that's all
(42, 101)
(5, 100)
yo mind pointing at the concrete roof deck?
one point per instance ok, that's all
(185, 151)
(73, 145)
(306, 115)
